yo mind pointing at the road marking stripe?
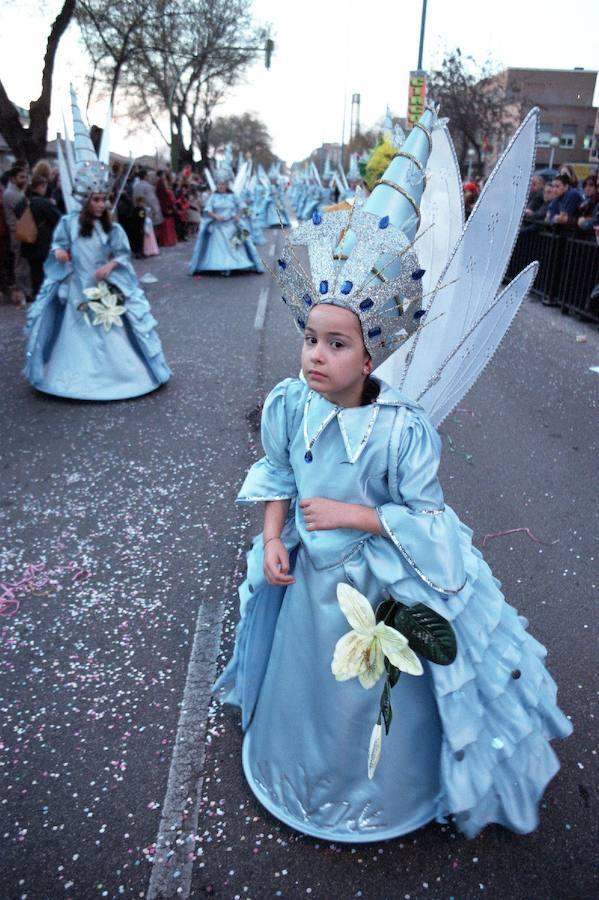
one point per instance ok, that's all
(172, 868)
(261, 309)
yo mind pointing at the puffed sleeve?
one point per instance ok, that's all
(272, 477)
(422, 528)
(61, 238)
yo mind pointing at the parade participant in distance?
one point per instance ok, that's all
(223, 244)
(91, 333)
(363, 574)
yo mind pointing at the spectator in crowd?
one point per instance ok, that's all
(43, 169)
(563, 209)
(13, 194)
(535, 220)
(144, 189)
(167, 235)
(182, 213)
(568, 170)
(589, 205)
(536, 196)
(5, 279)
(56, 193)
(46, 217)
(471, 193)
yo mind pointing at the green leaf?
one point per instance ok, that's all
(386, 706)
(429, 634)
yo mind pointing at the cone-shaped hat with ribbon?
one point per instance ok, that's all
(363, 259)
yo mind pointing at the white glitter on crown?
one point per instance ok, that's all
(356, 279)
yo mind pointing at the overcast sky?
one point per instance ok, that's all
(325, 51)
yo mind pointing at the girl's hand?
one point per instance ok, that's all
(104, 271)
(321, 514)
(62, 256)
(276, 563)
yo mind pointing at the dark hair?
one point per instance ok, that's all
(590, 179)
(370, 391)
(16, 170)
(37, 181)
(564, 180)
(142, 173)
(86, 221)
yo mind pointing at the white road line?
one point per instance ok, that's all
(261, 309)
(172, 868)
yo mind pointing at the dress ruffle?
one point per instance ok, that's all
(497, 704)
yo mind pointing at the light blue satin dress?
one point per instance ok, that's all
(274, 214)
(469, 739)
(70, 357)
(216, 248)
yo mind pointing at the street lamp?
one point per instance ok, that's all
(553, 143)
(470, 153)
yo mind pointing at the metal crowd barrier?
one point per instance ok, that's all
(568, 268)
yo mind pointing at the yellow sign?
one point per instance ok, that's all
(416, 96)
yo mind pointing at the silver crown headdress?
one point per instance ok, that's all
(82, 171)
(363, 259)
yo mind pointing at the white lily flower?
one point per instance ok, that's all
(374, 748)
(100, 292)
(108, 312)
(361, 652)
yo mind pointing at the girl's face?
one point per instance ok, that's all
(334, 360)
(97, 204)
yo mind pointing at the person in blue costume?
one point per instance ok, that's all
(354, 517)
(91, 333)
(223, 244)
(274, 213)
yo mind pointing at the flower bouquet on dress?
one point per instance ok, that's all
(387, 641)
(240, 237)
(106, 302)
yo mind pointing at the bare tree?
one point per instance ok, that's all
(248, 135)
(476, 102)
(173, 59)
(30, 143)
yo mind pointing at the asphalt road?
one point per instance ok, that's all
(122, 545)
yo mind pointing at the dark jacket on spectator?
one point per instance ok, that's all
(46, 217)
(535, 201)
(568, 203)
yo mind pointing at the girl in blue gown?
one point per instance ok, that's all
(351, 495)
(223, 244)
(67, 354)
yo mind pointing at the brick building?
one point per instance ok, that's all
(565, 98)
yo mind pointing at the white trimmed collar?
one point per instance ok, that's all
(356, 423)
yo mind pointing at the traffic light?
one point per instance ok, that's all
(268, 48)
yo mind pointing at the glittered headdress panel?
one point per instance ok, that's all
(82, 172)
(362, 259)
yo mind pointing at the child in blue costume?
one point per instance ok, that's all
(222, 245)
(91, 332)
(67, 355)
(354, 514)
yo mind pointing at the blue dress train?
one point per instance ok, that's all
(219, 246)
(469, 739)
(68, 356)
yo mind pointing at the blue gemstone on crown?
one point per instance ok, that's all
(366, 304)
(307, 299)
(419, 314)
(308, 456)
(301, 323)
(374, 332)
(324, 287)
(346, 287)
(282, 263)
(384, 222)
(316, 218)
(417, 274)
